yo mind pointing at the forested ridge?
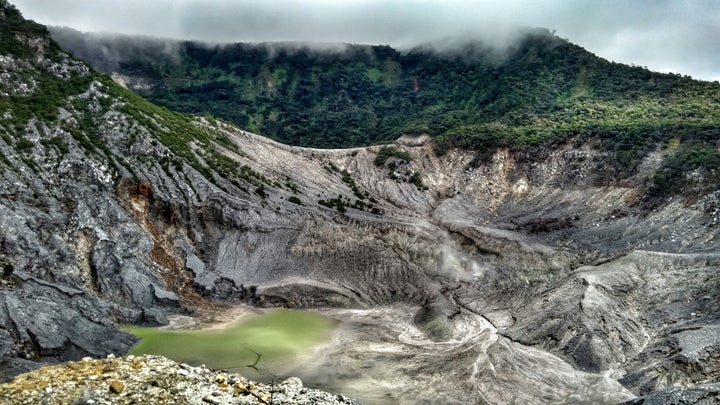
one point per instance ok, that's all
(541, 90)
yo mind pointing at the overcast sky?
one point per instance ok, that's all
(681, 36)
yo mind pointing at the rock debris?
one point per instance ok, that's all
(152, 380)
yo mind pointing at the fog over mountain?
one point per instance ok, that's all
(666, 36)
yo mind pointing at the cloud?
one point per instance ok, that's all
(664, 35)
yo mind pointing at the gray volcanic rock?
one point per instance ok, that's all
(701, 394)
(434, 319)
(81, 264)
(51, 322)
(75, 261)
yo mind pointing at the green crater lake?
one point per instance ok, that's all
(266, 344)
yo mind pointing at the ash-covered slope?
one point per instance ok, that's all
(498, 276)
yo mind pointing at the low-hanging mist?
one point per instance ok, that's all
(664, 36)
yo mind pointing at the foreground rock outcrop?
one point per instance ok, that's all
(152, 380)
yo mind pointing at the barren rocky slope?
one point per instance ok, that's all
(504, 279)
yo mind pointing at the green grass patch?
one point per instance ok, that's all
(58, 143)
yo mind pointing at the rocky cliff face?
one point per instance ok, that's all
(116, 211)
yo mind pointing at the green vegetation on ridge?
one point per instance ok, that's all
(48, 81)
(14, 31)
(543, 91)
(544, 88)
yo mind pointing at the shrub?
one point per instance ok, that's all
(386, 152)
(23, 145)
(6, 267)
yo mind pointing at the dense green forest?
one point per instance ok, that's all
(355, 95)
(542, 90)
